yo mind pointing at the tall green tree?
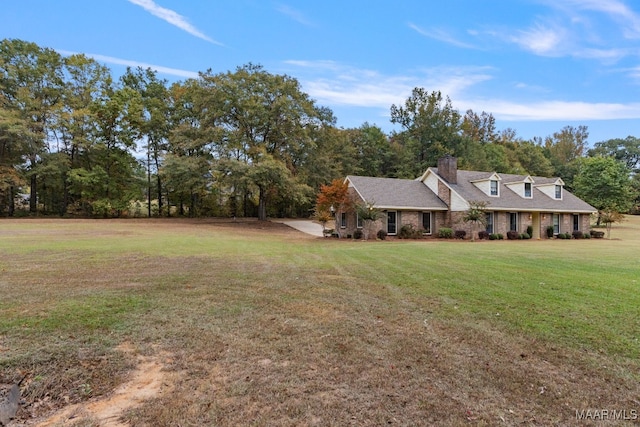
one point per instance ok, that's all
(335, 154)
(479, 127)
(431, 127)
(74, 129)
(563, 148)
(194, 152)
(263, 118)
(30, 88)
(567, 145)
(12, 150)
(150, 124)
(111, 152)
(626, 150)
(186, 178)
(604, 183)
(531, 158)
(374, 154)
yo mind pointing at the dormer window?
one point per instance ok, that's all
(558, 191)
(552, 190)
(489, 185)
(523, 188)
(494, 187)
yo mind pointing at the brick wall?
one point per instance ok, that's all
(445, 194)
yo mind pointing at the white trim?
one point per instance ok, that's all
(484, 184)
(518, 187)
(530, 196)
(396, 222)
(553, 222)
(555, 191)
(549, 189)
(493, 176)
(410, 208)
(430, 222)
(540, 209)
(493, 222)
(518, 221)
(497, 189)
(351, 185)
(456, 204)
(573, 222)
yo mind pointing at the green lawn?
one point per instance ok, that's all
(267, 326)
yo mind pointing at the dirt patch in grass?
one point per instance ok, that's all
(267, 326)
(146, 381)
(56, 376)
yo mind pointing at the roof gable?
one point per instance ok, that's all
(393, 193)
(522, 188)
(513, 192)
(493, 177)
(489, 185)
(510, 200)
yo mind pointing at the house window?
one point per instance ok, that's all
(513, 221)
(426, 222)
(494, 187)
(558, 191)
(527, 189)
(576, 222)
(392, 224)
(490, 222)
(343, 220)
(556, 224)
(358, 221)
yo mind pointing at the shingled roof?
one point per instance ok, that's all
(392, 193)
(509, 200)
(407, 194)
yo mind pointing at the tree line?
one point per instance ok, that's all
(76, 141)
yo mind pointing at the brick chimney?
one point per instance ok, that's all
(448, 168)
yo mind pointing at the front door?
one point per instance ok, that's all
(392, 222)
(535, 224)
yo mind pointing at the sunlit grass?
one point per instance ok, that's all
(582, 293)
(211, 292)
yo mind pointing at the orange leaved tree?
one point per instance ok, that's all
(333, 198)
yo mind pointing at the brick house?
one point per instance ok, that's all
(440, 197)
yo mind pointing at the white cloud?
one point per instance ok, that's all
(615, 9)
(541, 39)
(605, 55)
(531, 88)
(173, 18)
(335, 84)
(634, 73)
(587, 29)
(294, 14)
(134, 64)
(555, 110)
(441, 35)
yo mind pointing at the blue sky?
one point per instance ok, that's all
(536, 65)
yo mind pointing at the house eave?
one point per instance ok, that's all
(410, 208)
(540, 210)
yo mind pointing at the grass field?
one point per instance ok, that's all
(257, 324)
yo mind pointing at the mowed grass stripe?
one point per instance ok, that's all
(262, 314)
(555, 289)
